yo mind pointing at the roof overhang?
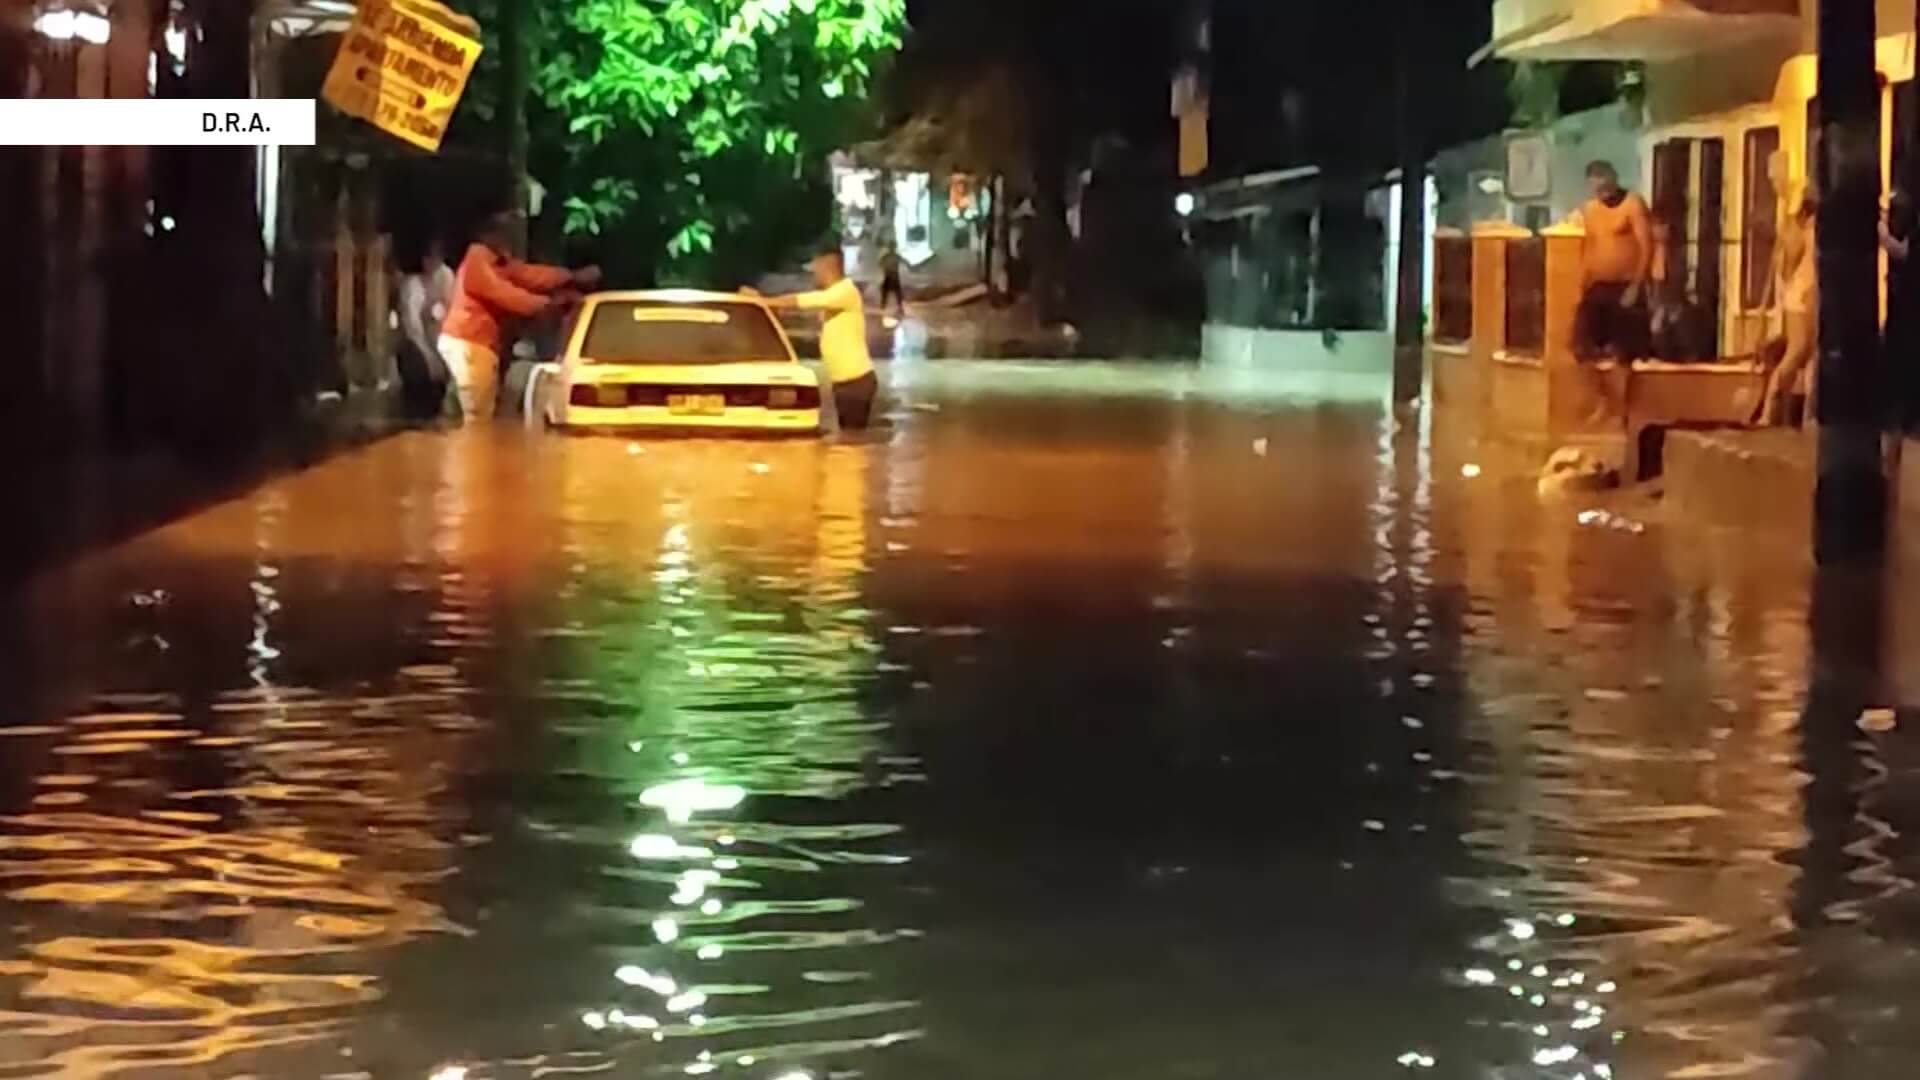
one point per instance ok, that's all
(1633, 30)
(301, 18)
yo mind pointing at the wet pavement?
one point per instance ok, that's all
(1101, 720)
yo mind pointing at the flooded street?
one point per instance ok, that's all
(1086, 721)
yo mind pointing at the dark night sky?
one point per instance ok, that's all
(1294, 81)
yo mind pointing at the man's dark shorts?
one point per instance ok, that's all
(1607, 327)
(853, 400)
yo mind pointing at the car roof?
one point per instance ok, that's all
(676, 296)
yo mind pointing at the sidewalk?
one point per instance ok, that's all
(90, 499)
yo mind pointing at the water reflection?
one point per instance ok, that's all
(1126, 721)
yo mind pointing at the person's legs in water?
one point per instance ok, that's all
(475, 370)
(1594, 321)
(853, 400)
(1785, 380)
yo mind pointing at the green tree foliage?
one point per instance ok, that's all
(689, 136)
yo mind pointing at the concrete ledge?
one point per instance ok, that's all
(1518, 395)
(1761, 479)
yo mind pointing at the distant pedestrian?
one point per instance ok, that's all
(843, 336)
(492, 288)
(1616, 261)
(426, 292)
(892, 292)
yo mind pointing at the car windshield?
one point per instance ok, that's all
(700, 332)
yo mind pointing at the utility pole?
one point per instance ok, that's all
(1410, 287)
(516, 49)
(21, 280)
(1850, 492)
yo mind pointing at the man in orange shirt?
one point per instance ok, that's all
(1615, 265)
(491, 288)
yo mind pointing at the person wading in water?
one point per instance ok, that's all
(491, 289)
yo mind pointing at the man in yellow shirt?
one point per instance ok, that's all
(843, 336)
(1615, 263)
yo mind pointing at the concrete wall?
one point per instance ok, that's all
(1358, 352)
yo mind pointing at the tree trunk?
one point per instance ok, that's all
(994, 212)
(516, 49)
(1049, 243)
(1409, 312)
(1850, 499)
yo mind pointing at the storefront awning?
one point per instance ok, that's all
(1627, 30)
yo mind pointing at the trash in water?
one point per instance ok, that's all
(1260, 447)
(1571, 469)
(1469, 470)
(1607, 519)
(1877, 720)
(1597, 693)
(634, 449)
(152, 598)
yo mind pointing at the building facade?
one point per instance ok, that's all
(1725, 143)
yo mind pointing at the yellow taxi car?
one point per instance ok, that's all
(675, 359)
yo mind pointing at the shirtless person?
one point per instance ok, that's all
(1616, 262)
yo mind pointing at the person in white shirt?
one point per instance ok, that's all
(843, 336)
(425, 292)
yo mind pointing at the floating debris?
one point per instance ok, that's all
(1878, 720)
(1607, 519)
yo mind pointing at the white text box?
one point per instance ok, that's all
(156, 122)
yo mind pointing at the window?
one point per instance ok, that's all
(1689, 246)
(1759, 215)
(710, 332)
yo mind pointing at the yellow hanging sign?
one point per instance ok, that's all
(402, 66)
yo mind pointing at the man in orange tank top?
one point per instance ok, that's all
(1615, 264)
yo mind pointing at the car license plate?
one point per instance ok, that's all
(696, 404)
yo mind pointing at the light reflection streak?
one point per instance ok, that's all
(1642, 813)
(734, 680)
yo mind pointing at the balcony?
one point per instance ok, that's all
(1620, 30)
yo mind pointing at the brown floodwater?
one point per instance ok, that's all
(1086, 721)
